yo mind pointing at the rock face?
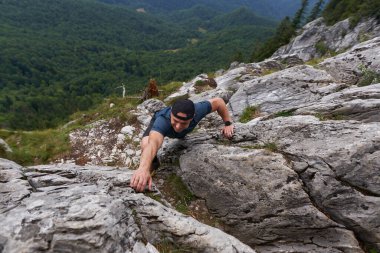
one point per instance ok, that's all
(305, 175)
(303, 86)
(336, 38)
(356, 65)
(282, 90)
(262, 200)
(360, 103)
(292, 184)
(71, 208)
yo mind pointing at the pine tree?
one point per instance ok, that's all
(284, 32)
(316, 11)
(298, 17)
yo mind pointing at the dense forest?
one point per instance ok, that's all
(274, 9)
(61, 56)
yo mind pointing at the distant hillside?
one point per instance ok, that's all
(61, 56)
(204, 17)
(92, 21)
(273, 9)
(239, 17)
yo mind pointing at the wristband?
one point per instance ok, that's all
(227, 123)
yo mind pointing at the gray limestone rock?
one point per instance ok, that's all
(360, 103)
(262, 200)
(69, 208)
(206, 95)
(337, 37)
(157, 219)
(308, 168)
(282, 90)
(342, 176)
(151, 105)
(357, 64)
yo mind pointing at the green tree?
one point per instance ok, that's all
(284, 32)
(299, 16)
(316, 11)
(238, 57)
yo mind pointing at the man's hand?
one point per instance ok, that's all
(139, 180)
(228, 131)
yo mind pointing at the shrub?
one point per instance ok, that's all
(368, 77)
(203, 85)
(321, 48)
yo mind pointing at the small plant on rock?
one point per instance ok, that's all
(249, 113)
(271, 146)
(324, 117)
(167, 245)
(321, 48)
(204, 85)
(368, 76)
(286, 113)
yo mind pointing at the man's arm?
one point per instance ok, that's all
(142, 175)
(217, 104)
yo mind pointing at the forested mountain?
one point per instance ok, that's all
(61, 56)
(269, 8)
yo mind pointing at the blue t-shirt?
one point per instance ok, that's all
(162, 120)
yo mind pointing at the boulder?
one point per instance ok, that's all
(69, 208)
(357, 64)
(283, 90)
(262, 200)
(151, 105)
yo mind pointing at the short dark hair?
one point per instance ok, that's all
(185, 106)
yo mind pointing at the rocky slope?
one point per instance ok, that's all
(303, 175)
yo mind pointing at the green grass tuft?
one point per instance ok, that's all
(168, 89)
(249, 113)
(121, 110)
(368, 77)
(36, 147)
(167, 245)
(271, 146)
(181, 193)
(286, 113)
(324, 117)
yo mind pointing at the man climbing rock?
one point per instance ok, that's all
(174, 122)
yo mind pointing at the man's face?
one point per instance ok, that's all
(178, 124)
